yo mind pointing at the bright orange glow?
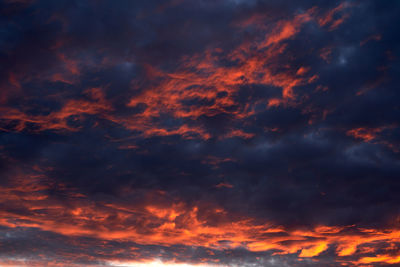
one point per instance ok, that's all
(313, 250)
(380, 258)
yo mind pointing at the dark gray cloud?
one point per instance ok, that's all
(217, 113)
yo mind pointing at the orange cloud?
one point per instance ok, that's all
(374, 135)
(334, 17)
(197, 79)
(375, 37)
(287, 29)
(57, 120)
(380, 258)
(368, 134)
(153, 222)
(365, 134)
(222, 184)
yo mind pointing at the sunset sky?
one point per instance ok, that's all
(208, 133)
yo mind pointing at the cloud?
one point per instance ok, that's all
(232, 133)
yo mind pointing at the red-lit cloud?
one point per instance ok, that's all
(158, 221)
(222, 133)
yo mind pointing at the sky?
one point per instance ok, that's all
(248, 133)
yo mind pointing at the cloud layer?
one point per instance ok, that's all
(228, 133)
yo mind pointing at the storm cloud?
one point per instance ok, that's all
(222, 133)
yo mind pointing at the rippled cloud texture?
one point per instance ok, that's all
(199, 132)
